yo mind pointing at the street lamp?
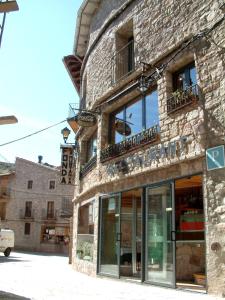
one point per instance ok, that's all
(8, 6)
(143, 84)
(8, 120)
(65, 133)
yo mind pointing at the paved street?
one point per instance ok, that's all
(46, 277)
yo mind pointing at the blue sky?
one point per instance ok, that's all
(35, 85)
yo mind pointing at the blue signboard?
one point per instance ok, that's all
(215, 158)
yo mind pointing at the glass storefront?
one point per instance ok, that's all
(143, 233)
(159, 235)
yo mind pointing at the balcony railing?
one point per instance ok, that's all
(142, 138)
(123, 62)
(182, 98)
(66, 213)
(27, 214)
(49, 215)
(88, 166)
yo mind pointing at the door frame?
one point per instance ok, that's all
(173, 233)
(118, 234)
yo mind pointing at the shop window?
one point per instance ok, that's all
(27, 229)
(28, 209)
(48, 234)
(85, 232)
(50, 209)
(123, 60)
(92, 147)
(30, 184)
(135, 117)
(185, 88)
(52, 184)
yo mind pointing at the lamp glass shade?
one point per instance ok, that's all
(65, 132)
(143, 84)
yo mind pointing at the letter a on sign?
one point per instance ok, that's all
(215, 158)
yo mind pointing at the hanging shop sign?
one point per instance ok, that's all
(170, 150)
(67, 165)
(122, 127)
(215, 158)
(86, 119)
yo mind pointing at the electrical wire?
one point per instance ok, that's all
(29, 135)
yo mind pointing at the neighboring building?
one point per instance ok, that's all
(147, 206)
(7, 175)
(39, 208)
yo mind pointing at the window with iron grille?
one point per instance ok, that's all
(185, 89)
(184, 78)
(123, 59)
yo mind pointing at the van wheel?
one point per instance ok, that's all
(7, 252)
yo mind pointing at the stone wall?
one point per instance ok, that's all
(160, 28)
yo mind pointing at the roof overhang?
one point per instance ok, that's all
(73, 65)
(84, 18)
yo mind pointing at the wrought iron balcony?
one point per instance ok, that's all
(49, 214)
(123, 62)
(27, 213)
(66, 213)
(88, 166)
(182, 98)
(142, 138)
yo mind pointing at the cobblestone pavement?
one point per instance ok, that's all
(47, 277)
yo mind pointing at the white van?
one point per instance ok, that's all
(6, 241)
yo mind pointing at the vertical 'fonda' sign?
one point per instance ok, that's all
(67, 165)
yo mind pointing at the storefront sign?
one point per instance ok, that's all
(67, 165)
(215, 158)
(86, 119)
(154, 153)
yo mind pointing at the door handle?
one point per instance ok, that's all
(173, 235)
(118, 236)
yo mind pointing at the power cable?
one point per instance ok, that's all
(29, 135)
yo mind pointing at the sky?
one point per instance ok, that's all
(34, 83)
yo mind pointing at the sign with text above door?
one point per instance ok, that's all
(215, 158)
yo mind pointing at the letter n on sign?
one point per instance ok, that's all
(215, 158)
(67, 165)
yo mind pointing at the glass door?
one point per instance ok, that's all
(160, 235)
(109, 246)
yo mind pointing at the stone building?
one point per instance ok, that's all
(39, 208)
(150, 183)
(7, 174)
